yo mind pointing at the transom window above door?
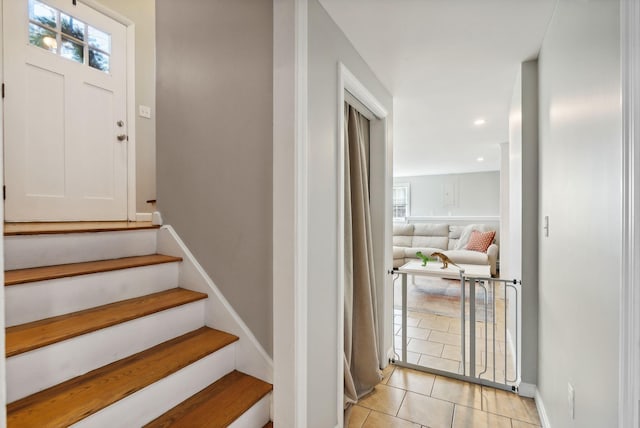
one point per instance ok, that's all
(68, 37)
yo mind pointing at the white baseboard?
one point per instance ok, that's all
(544, 419)
(143, 216)
(527, 390)
(251, 358)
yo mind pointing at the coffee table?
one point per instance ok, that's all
(415, 267)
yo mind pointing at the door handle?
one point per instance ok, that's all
(122, 137)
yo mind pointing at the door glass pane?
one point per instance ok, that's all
(99, 40)
(72, 27)
(72, 50)
(43, 14)
(41, 37)
(98, 60)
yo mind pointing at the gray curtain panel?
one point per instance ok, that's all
(361, 364)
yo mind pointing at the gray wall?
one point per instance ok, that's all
(478, 194)
(214, 145)
(580, 188)
(522, 261)
(327, 46)
(142, 13)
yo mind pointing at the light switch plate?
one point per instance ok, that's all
(546, 226)
(144, 111)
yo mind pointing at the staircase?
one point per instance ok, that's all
(100, 334)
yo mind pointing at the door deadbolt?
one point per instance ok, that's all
(120, 123)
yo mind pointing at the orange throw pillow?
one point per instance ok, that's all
(480, 241)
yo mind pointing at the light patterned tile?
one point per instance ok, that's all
(519, 424)
(397, 340)
(421, 315)
(454, 326)
(488, 373)
(387, 372)
(415, 333)
(357, 416)
(465, 417)
(384, 399)
(452, 352)
(446, 338)
(413, 357)
(509, 404)
(411, 321)
(426, 411)
(499, 360)
(412, 380)
(439, 363)
(463, 393)
(425, 347)
(380, 420)
(439, 323)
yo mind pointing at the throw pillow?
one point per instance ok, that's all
(466, 234)
(480, 241)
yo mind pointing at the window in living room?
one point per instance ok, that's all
(401, 202)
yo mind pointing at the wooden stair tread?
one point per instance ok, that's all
(21, 276)
(217, 405)
(45, 228)
(75, 399)
(36, 334)
(268, 425)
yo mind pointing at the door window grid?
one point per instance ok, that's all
(64, 35)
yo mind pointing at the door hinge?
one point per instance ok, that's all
(4, 193)
(3, 90)
(75, 3)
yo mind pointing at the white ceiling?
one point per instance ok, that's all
(447, 63)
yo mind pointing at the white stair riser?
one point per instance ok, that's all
(25, 251)
(45, 299)
(257, 416)
(44, 367)
(154, 400)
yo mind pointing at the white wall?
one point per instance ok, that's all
(327, 46)
(476, 194)
(504, 207)
(522, 262)
(580, 188)
(143, 14)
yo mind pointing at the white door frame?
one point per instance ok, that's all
(379, 137)
(629, 371)
(3, 384)
(290, 212)
(130, 99)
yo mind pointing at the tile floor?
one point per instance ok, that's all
(414, 399)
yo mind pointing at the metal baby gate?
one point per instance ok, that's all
(489, 351)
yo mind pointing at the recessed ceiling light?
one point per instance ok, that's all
(480, 159)
(479, 122)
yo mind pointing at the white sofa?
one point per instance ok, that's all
(429, 238)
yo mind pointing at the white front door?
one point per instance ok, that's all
(65, 112)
